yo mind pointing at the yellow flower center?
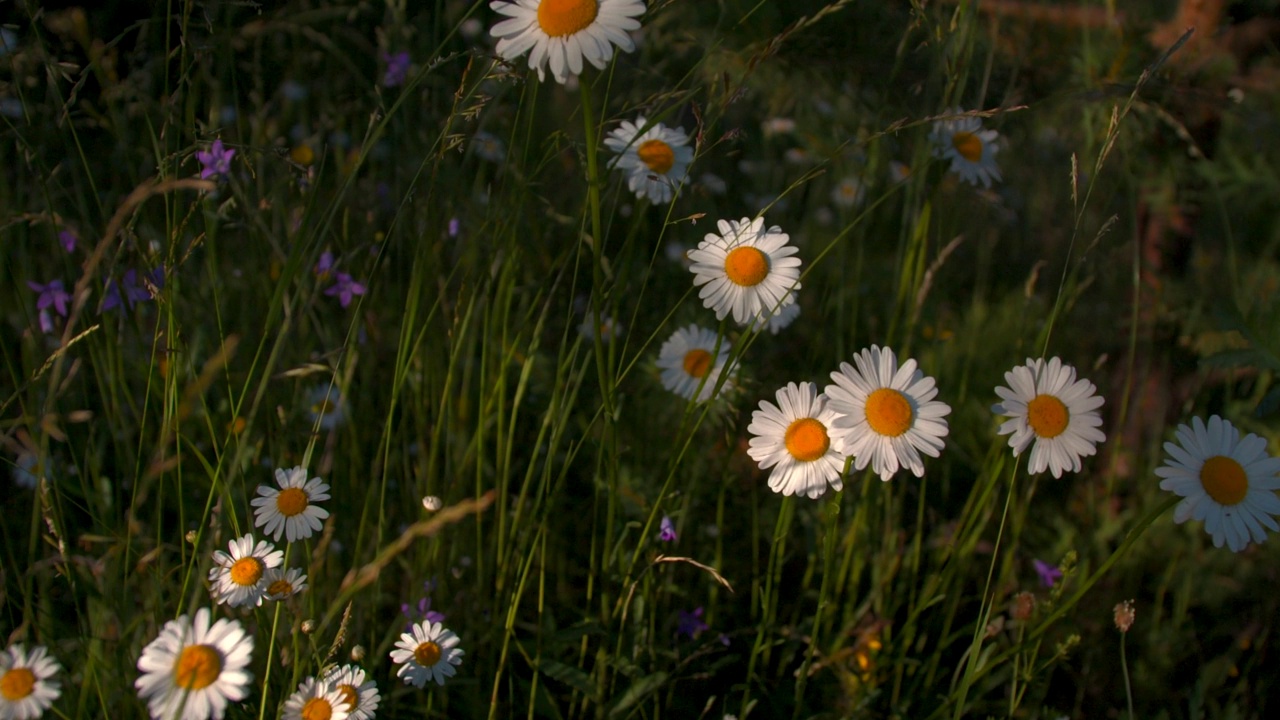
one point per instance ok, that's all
(350, 696)
(427, 654)
(889, 412)
(968, 145)
(280, 588)
(198, 666)
(558, 18)
(697, 362)
(1047, 416)
(1224, 479)
(17, 684)
(806, 439)
(657, 156)
(291, 501)
(317, 709)
(247, 571)
(303, 155)
(746, 266)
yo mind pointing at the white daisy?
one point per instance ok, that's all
(774, 322)
(888, 415)
(239, 578)
(655, 161)
(1047, 405)
(848, 193)
(26, 687)
(316, 700)
(795, 438)
(195, 667)
(291, 511)
(281, 584)
(746, 269)
(428, 653)
(689, 358)
(971, 150)
(1228, 482)
(560, 33)
(360, 694)
(326, 406)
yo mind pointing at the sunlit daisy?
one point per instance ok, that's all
(239, 578)
(1047, 405)
(360, 694)
(746, 269)
(888, 415)
(26, 685)
(971, 150)
(290, 511)
(316, 700)
(560, 33)
(689, 358)
(795, 438)
(655, 161)
(1227, 482)
(773, 321)
(427, 652)
(196, 667)
(282, 584)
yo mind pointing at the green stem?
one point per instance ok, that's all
(770, 596)
(832, 530)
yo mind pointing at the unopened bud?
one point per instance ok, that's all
(308, 627)
(432, 503)
(1124, 614)
(191, 537)
(357, 653)
(1024, 603)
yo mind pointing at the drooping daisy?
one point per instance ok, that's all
(239, 578)
(195, 666)
(971, 150)
(887, 414)
(282, 584)
(796, 439)
(689, 358)
(774, 322)
(291, 511)
(360, 694)
(1050, 407)
(560, 33)
(316, 700)
(1227, 482)
(427, 652)
(26, 685)
(655, 161)
(746, 269)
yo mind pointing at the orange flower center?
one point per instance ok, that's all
(1047, 416)
(427, 654)
(807, 439)
(317, 709)
(350, 696)
(697, 362)
(746, 266)
(889, 412)
(968, 145)
(1224, 479)
(291, 501)
(17, 684)
(558, 18)
(280, 588)
(657, 156)
(247, 571)
(198, 666)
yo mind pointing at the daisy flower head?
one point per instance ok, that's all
(359, 693)
(971, 150)
(795, 438)
(239, 577)
(283, 584)
(1048, 406)
(654, 160)
(560, 33)
(316, 699)
(291, 511)
(195, 666)
(746, 269)
(887, 413)
(774, 320)
(427, 652)
(689, 359)
(26, 685)
(1226, 481)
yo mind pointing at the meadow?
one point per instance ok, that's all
(639, 359)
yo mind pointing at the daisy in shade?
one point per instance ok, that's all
(746, 269)
(26, 685)
(1049, 407)
(1228, 482)
(291, 511)
(282, 584)
(560, 33)
(316, 700)
(888, 415)
(795, 438)
(427, 652)
(774, 322)
(239, 577)
(195, 667)
(360, 694)
(655, 160)
(689, 359)
(971, 150)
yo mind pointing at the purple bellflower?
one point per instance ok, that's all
(1049, 574)
(216, 162)
(345, 289)
(397, 68)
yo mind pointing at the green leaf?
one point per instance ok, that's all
(569, 675)
(637, 692)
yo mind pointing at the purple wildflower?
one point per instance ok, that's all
(324, 268)
(1049, 574)
(133, 291)
(667, 531)
(68, 240)
(690, 623)
(397, 68)
(454, 227)
(424, 611)
(216, 162)
(345, 289)
(52, 293)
